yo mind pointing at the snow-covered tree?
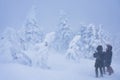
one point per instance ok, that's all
(5, 45)
(73, 52)
(63, 34)
(18, 43)
(33, 33)
(11, 48)
(41, 51)
(99, 37)
(91, 37)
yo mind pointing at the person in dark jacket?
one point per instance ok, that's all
(99, 60)
(108, 59)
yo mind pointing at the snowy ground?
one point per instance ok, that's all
(61, 69)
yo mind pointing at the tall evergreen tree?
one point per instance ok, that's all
(63, 34)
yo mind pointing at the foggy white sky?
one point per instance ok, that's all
(107, 12)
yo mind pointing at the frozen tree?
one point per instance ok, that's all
(32, 33)
(18, 43)
(5, 45)
(73, 52)
(41, 51)
(91, 37)
(63, 34)
(87, 38)
(11, 47)
(116, 48)
(98, 37)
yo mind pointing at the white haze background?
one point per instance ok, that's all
(56, 42)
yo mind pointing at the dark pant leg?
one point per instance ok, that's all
(104, 70)
(96, 71)
(101, 71)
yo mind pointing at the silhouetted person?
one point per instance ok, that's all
(99, 60)
(108, 59)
